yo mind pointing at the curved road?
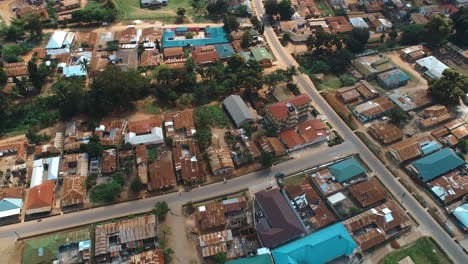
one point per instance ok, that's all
(427, 223)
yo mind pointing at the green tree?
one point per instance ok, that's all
(204, 138)
(84, 65)
(339, 60)
(266, 159)
(161, 209)
(33, 24)
(347, 80)
(393, 34)
(231, 23)
(119, 177)
(271, 8)
(140, 50)
(398, 116)
(3, 77)
(463, 145)
(246, 39)
(105, 193)
(438, 29)
(94, 147)
(412, 34)
(220, 257)
(450, 88)
(180, 14)
(460, 23)
(70, 94)
(13, 32)
(285, 9)
(136, 185)
(112, 45)
(256, 22)
(357, 39)
(167, 253)
(319, 66)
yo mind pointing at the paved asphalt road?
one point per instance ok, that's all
(429, 225)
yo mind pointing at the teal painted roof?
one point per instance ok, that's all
(320, 247)
(213, 35)
(260, 53)
(261, 259)
(436, 164)
(10, 204)
(461, 213)
(74, 70)
(224, 50)
(346, 169)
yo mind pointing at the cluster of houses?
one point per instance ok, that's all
(62, 9)
(303, 221)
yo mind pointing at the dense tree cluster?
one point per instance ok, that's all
(449, 89)
(105, 13)
(460, 20)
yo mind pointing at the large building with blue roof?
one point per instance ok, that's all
(175, 37)
(323, 246)
(347, 169)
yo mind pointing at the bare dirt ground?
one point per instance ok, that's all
(11, 251)
(218, 137)
(417, 80)
(5, 11)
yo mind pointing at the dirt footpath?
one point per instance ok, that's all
(5, 11)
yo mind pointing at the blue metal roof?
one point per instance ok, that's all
(224, 50)
(320, 247)
(461, 213)
(346, 169)
(10, 204)
(430, 147)
(436, 164)
(213, 35)
(74, 70)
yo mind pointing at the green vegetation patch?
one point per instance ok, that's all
(130, 10)
(210, 116)
(294, 180)
(424, 250)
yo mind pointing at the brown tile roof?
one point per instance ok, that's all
(279, 110)
(149, 58)
(379, 105)
(366, 89)
(386, 133)
(272, 145)
(339, 24)
(151, 34)
(144, 126)
(409, 148)
(176, 64)
(322, 215)
(234, 206)
(16, 69)
(126, 36)
(236, 44)
(205, 54)
(304, 188)
(141, 154)
(74, 190)
(375, 225)
(460, 132)
(220, 159)
(173, 52)
(440, 132)
(154, 256)
(161, 174)
(435, 115)
(449, 187)
(374, 6)
(367, 193)
(61, 58)
(212, 216)
(19, 147)
(109, 161)
(419, 18)
(12, 192)
(348, 94)
(47, 149)
(32, 9)
(39, 52)
(41, 196)
(184, 120)
(454, 124)
(186, 155)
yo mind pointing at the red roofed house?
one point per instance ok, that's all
(285, 113)
(205, 55)
(109, 161)
(161, 174)
(367, 193)
(41, 198)
(339, 24)
(187, 158)
(307, 133)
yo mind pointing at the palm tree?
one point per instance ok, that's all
(84, 65)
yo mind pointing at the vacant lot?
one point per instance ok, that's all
(424, 250)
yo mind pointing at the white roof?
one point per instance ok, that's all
(358, 22)
(385, 22)
(37, 176)
(336, 198)
(434, 67)
(156, 137)
(14, 207)
(59, 39)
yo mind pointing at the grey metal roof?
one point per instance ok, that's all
(237, 109)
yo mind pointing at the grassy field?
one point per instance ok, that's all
(294, 180)
(324, 8)
(330, 81)
(92, 4)
(424, 250)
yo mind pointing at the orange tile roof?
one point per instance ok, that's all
(74, 190)
(279, 110)
(145, 125)
(109, 161)
(410, 148)
(19, 147)
(154, 256)
(386, 133)
(161, 174)
(205, 54)
(211, 217)
(41, 195)
(339, 24)
(367, 193)
(12, 192)
(306, 132)
(16, 69)
(141, 154)
(149, 58)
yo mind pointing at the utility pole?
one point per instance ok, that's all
(18, 236)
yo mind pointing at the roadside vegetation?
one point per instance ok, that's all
(424, 250)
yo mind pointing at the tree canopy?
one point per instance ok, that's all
(450, 88)
(412, 34)
(460, 21)
(438, 29)
(357, 39)
(285, 9)
(70, 94)
(161, 209)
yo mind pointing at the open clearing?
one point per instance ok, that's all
(424, 250)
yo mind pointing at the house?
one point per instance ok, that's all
(187, 161)
(271, 145)
(11, 202)
(214, 243)
(392, 79)
(339, 24)
(262, 56)
(372, 6)
(451, 132)
(125, 59)
(73, 191)
(414, 99)
(204, 55)
(183, 122)
(461, 214)
(74, 165)
(323, 246)
(373, 109)
(362, 90)
(435, 164)
(358, 22)
(74, 71)
(149, 59)
(154, 256)
(449, 188)
(16, 69)
(109, 161)
(17, 147)
(40, 198)
(175, 37)
(367, 193)
(276, 222)
(69, 4)
(161, 174)
(221, 161)
(151, 38)
(39, 10)
(413, 53)
(435, 115)
(147, 131)
(153, 3)
(141, 155)
(224, 51)
(429, 10)
(110, 131)
(128, 38)
(385, 133)
(113, 239)
(238, 111)
(44, 170)
(418, 18)
(370, 66)
(413, 148)
(210, 216)
(347, 171)
(378, 225)
(305, 134)
(60, 42)
(285, 114)
(431, 67)
(234, 205)
(173, 53)
(380, 24)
